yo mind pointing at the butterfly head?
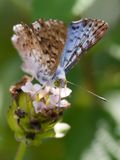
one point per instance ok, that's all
(59, 78)
(60, 83)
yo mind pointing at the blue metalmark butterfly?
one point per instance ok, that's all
(49, 49)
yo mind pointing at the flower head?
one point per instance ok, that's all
(36, 110)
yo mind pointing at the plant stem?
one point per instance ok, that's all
(21, 151)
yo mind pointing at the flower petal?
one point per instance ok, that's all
(61, 129)
(37, 87)
(62, 92)
(38, 106)
(27, 87)
(44, 92)
(63, 103)
(54, 99)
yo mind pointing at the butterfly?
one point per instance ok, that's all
(49, 49)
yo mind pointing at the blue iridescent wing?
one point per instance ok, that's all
(81, 36)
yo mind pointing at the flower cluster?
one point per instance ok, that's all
(36, 111)
(47, 98)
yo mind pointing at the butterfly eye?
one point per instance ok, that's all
(57, 83)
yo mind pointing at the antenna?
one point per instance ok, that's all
(90, 92)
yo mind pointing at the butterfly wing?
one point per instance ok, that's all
(81, 36)
(40, 46)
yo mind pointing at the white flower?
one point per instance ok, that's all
(39, 106)
(43, 92)
(30, 88)
(62, 92)
(53, 100)
(61, 129)
(63, 103)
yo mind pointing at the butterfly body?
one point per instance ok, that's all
(49, 49)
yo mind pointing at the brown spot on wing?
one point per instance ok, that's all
(51, 36)
(24, 39)
(40, 45)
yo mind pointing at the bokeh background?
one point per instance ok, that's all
(95, 125)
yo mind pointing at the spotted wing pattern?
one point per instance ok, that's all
(81, 36)
(40, 46)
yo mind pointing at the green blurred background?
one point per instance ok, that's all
(95, 125)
